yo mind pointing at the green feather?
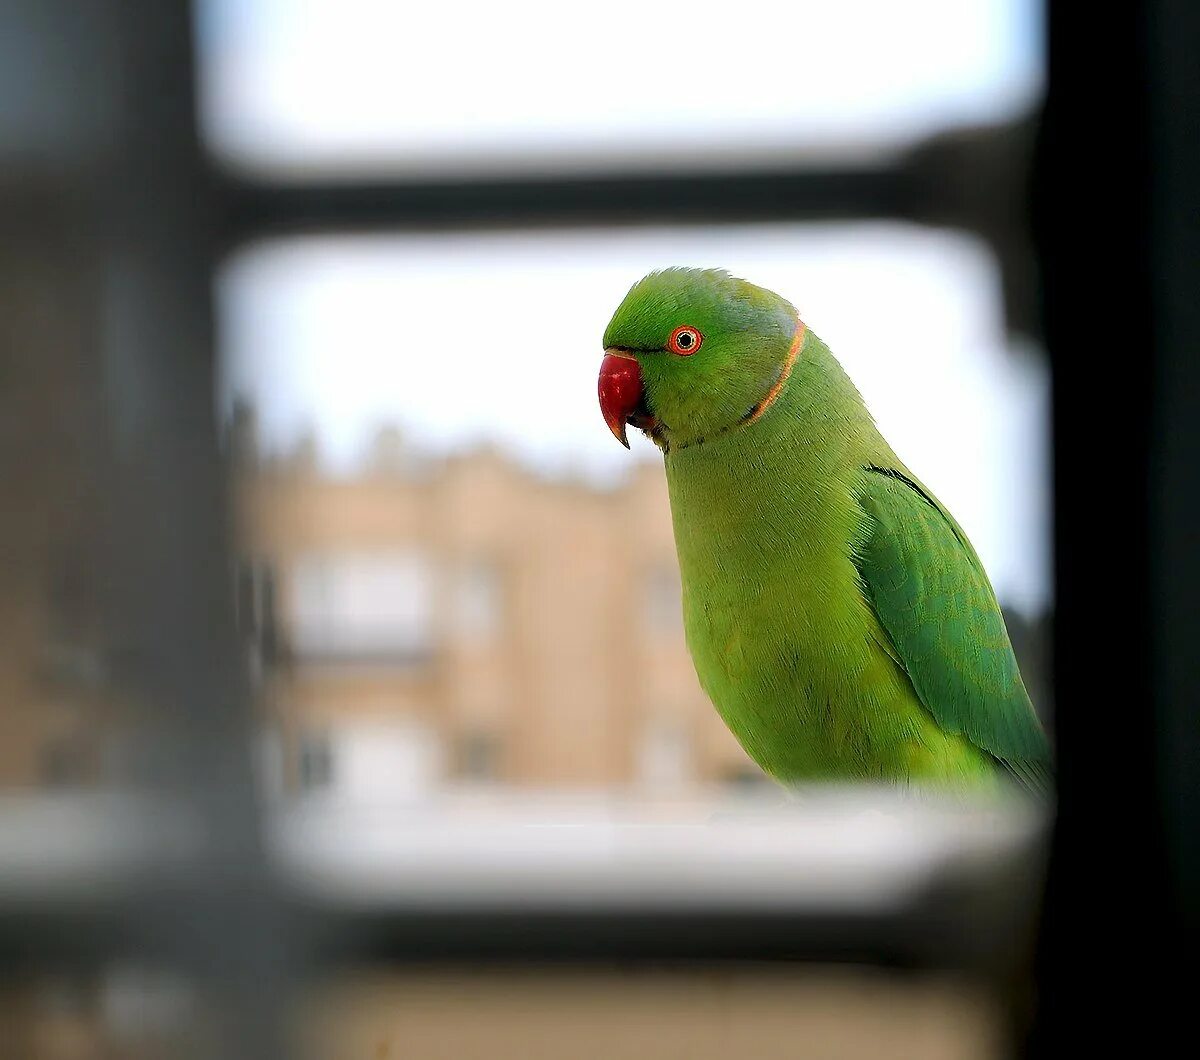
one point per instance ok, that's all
(837, 616)
(931, 594)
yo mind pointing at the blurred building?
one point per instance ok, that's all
(466, 621)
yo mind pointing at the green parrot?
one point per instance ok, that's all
(837, 615)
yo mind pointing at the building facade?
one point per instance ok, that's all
(469, 621)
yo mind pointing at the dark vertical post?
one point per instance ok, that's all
(1174, 38)
(112, 473)
(1119, 168)
(174, 592)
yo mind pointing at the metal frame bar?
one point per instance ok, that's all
(970, 179)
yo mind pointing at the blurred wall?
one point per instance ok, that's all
(469, 621)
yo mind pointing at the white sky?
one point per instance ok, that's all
(526, 83)
(472, 337)
(468, 337)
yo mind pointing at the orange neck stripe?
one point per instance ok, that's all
(788, 364)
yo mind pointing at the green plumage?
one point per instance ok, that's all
(837, 615)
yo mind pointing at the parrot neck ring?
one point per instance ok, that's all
(789, 362)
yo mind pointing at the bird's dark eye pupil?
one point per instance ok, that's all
(685, 340)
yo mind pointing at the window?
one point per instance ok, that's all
(367, 605)
(664, 755)
(315, 762)
(390, 761)
(255, 600)
(810, 192)
(479, 603)
(663, 609)
(479, 756)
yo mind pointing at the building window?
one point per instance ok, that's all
(664, 755)
(315, 765)
(255, 609)
(368, 605)
(479, 756)
(749, 778)
(478, 605)
(662, 602)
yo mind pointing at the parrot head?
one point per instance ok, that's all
(693, 353)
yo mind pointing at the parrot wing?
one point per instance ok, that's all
(935, 603)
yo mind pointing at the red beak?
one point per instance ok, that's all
(622, 395)
(620, 390)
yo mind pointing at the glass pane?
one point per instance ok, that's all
(362, 84)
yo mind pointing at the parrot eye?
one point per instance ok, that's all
(684, 340)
